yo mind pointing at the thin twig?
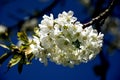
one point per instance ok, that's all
(102, 16)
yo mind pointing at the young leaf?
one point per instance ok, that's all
(4, 57)
(4, 46)
(20, 66)
(30, 57)
(12, 46)
(26, 62)
(23, 37)
(16, 58)
(23, 61)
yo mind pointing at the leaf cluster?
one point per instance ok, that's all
(20, 55)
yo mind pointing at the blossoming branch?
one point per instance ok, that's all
(62, 40)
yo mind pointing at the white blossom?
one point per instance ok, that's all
(3, 29)
(63, 40)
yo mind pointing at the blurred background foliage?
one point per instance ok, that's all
(24, 15)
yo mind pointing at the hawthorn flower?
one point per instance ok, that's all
(64, 41)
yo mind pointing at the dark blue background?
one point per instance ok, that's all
(37, 71)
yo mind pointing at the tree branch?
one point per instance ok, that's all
(102, 16)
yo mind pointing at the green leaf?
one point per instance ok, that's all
(23, 37)
(30, 57)
(14, 60)
(4, 57)
(26, 61)
(12, 46)
(20, 66)
(4, 46)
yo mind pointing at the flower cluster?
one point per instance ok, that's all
(64, 41)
